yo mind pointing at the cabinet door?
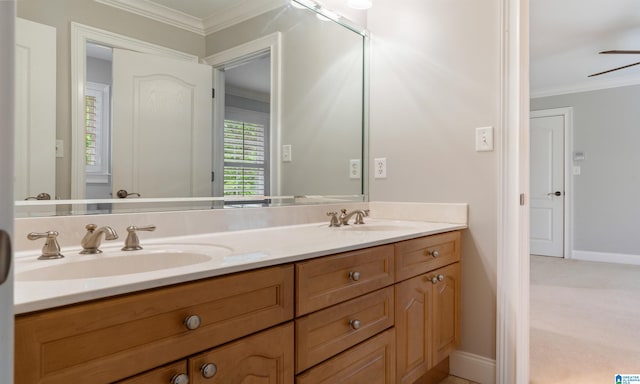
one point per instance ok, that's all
(446, 308)
(264, 358)
(413, 328)
(427, 321)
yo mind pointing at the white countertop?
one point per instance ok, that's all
(232, 252)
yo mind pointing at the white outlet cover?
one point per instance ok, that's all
(287, 154)
(380, 168)
(484, 139)
(354, 169)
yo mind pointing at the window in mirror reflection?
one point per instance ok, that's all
(246, 127)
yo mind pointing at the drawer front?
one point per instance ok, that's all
(162, 375)
(417, 256)
(266, 357)
(371, 362)
(333, 279)
(111, 339)
(325, 333)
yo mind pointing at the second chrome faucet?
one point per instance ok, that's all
(91, 240)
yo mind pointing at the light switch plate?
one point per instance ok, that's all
(484, 139)
(287, 154)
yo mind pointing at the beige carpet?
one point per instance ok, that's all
(585, 321)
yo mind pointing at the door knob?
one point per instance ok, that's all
(556, 193)
(123, 194)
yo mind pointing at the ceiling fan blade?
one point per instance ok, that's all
(620, 52)
(614, 69)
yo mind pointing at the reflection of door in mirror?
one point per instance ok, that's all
(161, 108)
(35, 110)
(246, 128)
(98, 122)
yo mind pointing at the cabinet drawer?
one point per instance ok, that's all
(111, 339)
(162, 375)
(325, 333)
(417, 256)
(371, 362)
(266, 357)
(333, 279)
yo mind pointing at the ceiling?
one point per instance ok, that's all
(566, 36)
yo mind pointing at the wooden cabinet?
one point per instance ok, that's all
(333, 279)
(266, 357)
(325, 333)
(386, 314)
(111, 339)
(427, 321)
(371, 362)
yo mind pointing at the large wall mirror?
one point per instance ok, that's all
(176, 104)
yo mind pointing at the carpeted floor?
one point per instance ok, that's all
(585, 321)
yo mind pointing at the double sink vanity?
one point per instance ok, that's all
(307, 303)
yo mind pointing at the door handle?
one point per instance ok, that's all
(5, 256)
(556, 193)
(123, 194)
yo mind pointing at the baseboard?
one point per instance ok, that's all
(473, 367)
(604, 257)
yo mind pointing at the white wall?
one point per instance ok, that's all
(606, 207)
(434, 79)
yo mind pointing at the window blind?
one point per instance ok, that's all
(244, 158)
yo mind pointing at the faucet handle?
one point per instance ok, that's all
(91, 227)
(132, 242)
(51, 248)
(334, 222)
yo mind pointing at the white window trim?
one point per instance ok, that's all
(101, 173)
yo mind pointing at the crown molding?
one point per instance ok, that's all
(242, 11)
(585, 87)
(157, 12)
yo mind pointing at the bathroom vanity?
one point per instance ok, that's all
(384, 310)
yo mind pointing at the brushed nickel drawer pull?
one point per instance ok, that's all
(354, 276)
(434, 279)
(434, 254)
(208, 370)
(192, 322)
(440, 277)
(180, 378)
(355, 324)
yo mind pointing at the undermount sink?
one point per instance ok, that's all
(123, 263)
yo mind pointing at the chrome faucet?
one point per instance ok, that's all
(358, 213)
(132, 243)
(344, 217)
(91, 240)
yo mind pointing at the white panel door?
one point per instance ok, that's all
(547, 186)
(161, 126)
(35, 134)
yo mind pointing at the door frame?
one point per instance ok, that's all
(80, 35)
(567, 114)
(232, 57)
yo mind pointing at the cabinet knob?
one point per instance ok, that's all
(192, 322)
(180, 378)
(355, 324)
(434, 253)
(434, 280)
(440, 277)
(354, 276)
(208, 370)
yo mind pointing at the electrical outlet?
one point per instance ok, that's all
(380, 168)
(354, 168)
